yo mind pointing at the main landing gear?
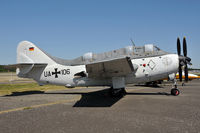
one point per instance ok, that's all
(117, 92)
(118, 87)
(175, 91)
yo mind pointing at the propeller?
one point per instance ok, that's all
(178, 46)
(179, 53)
(183, 59)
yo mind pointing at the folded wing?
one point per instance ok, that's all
(110, 68)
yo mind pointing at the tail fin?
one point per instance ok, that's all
(27, 52)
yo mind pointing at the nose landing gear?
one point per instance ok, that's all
(175, 91)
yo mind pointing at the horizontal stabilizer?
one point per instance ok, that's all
(26, 64)
(25, 68)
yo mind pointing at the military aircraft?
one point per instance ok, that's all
(117, 68)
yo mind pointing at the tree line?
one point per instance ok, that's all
(3, 68)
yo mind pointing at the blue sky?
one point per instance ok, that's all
(68, 29)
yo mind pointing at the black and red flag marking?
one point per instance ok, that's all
(31, 49)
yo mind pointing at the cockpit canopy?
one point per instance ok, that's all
(129, 51)
(133, 52)
(148, 48)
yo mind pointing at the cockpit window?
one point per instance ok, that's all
(138, 49)
(148, 48)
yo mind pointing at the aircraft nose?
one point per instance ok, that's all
(175, 59)
(172, 62)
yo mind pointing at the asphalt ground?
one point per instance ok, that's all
(91, 110)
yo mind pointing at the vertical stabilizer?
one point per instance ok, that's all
(27, 52)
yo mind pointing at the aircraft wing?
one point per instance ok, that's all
(110, 68)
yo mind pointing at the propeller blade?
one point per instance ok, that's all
(178, 46)
(186, 73)
(184, 47)
(180, 73)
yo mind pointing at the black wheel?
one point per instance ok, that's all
(114, 92)
(117, 92)
(123, 91)
(175, 92)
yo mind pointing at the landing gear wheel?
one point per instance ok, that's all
(175, 92)
(117, 92)
(123, 91)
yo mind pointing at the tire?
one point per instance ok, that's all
(123, 91)
(117, 93)
(175, 92)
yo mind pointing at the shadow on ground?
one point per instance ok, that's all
(156, 93)
(151, 86)
(99, 98)
(24, 93)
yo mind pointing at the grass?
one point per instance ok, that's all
(6, 89)
(26, 108)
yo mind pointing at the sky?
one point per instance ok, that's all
(70, 28)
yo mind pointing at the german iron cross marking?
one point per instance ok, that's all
(56, 73)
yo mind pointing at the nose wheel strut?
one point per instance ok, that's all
(175, 91)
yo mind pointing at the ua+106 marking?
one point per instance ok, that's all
(56, 72)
